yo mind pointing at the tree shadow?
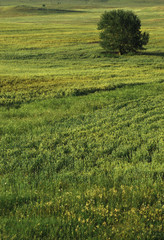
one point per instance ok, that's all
(157, 54)
(146, 53)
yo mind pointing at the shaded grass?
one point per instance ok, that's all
(80, 165)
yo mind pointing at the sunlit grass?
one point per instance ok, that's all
(81, 148)
(65, 47)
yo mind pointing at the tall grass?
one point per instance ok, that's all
(81, 148)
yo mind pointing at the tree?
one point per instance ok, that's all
(120, 31)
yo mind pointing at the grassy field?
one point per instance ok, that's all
(81, 131)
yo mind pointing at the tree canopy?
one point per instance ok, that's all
(120, 31)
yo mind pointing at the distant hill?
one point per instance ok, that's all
(29, 10)
(75, 2)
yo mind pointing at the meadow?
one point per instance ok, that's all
(81, 130)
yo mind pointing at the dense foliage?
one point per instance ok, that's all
(121, 32)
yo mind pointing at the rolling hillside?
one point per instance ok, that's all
(81, 131)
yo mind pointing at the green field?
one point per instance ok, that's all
(81, 131)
